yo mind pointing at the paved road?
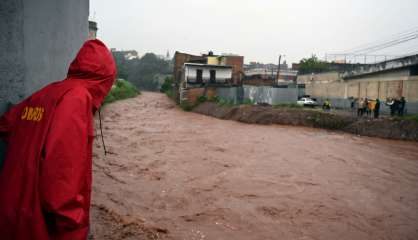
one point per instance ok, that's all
(178, 175)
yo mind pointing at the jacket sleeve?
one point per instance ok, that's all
(65, 179)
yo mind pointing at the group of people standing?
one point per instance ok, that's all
(369, 107)
(397, 106)
(366, 107)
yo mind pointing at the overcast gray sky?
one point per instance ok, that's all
(260, 30)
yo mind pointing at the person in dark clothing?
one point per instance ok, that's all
(401, 106)
(353, 105)
(396, 105)
(377, 109)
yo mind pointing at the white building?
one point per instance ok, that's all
(197, 74)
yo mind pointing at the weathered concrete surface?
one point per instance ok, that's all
(197, 177)
(38, 40)
(12, 64)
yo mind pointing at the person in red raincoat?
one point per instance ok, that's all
(45, 182)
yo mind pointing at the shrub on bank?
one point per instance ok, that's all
(167, 87)
(122, 89)
(202, 99)
(187, 107)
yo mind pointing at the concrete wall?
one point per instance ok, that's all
(41, 40)
(318, 78)
(410, 89)
(333, 89)
(387, 87)
(12, 64)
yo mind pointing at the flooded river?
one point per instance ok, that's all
(178, 175)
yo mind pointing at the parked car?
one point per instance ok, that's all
(307, 102)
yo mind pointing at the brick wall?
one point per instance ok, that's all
(237, 63)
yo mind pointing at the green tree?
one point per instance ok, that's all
(142, 72)
(312, 65)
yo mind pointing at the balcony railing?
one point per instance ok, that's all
(193, 80)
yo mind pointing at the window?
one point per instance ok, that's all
(212, 76)
(199, 76)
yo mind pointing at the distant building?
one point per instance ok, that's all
(198, 74)
(266, 75)
(287, 76)
(193, 75)
(92, 30)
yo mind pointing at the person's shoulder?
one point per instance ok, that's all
(76, 94)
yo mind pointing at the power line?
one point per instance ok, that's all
(387, 44)
(389, 38)
(364, 53)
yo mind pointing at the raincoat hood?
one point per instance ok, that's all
(94, 68)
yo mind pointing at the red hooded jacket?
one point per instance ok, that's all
(45, 183)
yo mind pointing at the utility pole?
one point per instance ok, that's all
(278, 69)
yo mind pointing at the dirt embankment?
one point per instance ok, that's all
(383, 128)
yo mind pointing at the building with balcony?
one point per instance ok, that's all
(197, 75)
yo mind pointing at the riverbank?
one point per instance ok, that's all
(388, 128)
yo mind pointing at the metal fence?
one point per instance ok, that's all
(269, 95)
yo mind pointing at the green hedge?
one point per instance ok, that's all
(122, 89)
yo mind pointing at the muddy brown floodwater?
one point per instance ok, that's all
(178, 175)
